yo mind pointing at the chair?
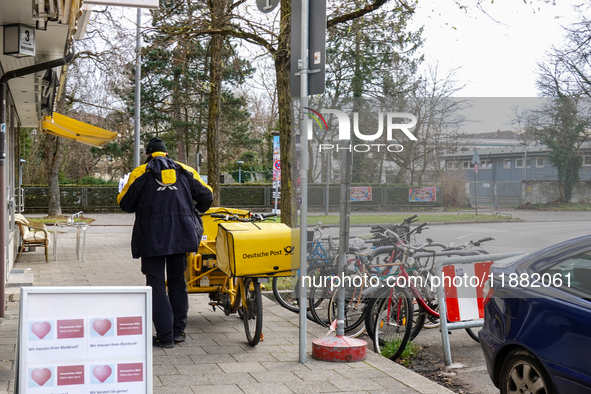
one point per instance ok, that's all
(32, 234)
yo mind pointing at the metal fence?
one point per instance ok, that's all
(380, 198)
(496, 194)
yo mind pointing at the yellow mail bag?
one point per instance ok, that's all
(255, 249)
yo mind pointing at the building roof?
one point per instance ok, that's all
(498, 152)
(508, 151)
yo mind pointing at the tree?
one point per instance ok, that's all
(276, 42)
(568, 69)
(563, 132)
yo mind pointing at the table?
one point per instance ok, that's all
(78, 249)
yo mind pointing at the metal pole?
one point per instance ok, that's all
(344, 231)
(525, 171)
(138, 90)
(3, 110)
(304, 127)
(327, 183)
(476, 191)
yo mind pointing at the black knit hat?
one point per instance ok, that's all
(155, 145)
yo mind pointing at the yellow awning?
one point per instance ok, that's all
(65, 127)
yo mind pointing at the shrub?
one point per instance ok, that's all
(453, 189)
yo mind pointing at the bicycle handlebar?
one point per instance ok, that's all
(389, 233)
(254, 217)
(409, 219)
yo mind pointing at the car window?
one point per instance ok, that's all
(572, 275)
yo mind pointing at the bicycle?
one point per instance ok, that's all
(321, 252)
(207, 273)
(408, 257)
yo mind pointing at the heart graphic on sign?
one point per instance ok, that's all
(41, 329)
(101, 326)
(41, 376)
(102, 373)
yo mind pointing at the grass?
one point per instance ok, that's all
(60, 219)
(410, 351)
(285, 283)
(394, 219)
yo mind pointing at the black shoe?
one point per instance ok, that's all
(158, 343)
(180, 338)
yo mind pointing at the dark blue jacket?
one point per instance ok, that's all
(161, 193)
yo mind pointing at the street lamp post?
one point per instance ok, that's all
(239, 162)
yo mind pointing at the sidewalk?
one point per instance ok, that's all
(215, 357)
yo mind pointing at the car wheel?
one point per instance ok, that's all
(523, 373)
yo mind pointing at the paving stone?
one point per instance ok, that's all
(356, 384)
(172, 360)
(242, 367)
(311, 387)
(177, 390)
(362, 373)
(177, 381)
(314, 375)
(265, 388)
(212, 358)
(275, 376)
(164, 370)
(260, 357)
(228, 349)
(217, 389)
(292, 366)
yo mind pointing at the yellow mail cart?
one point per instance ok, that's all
(239, 251)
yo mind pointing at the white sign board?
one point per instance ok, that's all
(90, 340)
(125, 3)
(19, 40)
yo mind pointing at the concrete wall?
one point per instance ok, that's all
(544, 192)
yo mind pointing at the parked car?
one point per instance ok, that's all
(536, 336)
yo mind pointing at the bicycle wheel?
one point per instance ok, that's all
(355, 305)
(285, 290)
(252, 310)
(418, 318)
(320, 294)
(393, 323)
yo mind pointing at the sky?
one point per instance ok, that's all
(496, 50)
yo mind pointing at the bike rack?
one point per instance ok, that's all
(445, 326)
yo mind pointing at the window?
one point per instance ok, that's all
(507, 164)
(518, 163)
(486, 165)
(572, 275)
(466, 165)
(452, 165)
(587, 161)
(540, 162)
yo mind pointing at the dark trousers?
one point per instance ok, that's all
(169, 310)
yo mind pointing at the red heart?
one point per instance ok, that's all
(101, 326)
(41, 329)
(102, 373)
(41, 376)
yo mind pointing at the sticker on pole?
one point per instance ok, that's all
(463, 290)
(267, 5)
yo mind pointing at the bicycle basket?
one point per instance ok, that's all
(322, 251)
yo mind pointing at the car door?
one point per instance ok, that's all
(566, 313)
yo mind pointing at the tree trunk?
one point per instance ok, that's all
(282, 68)
(54, 155)
(179, 128)
(215, 100)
